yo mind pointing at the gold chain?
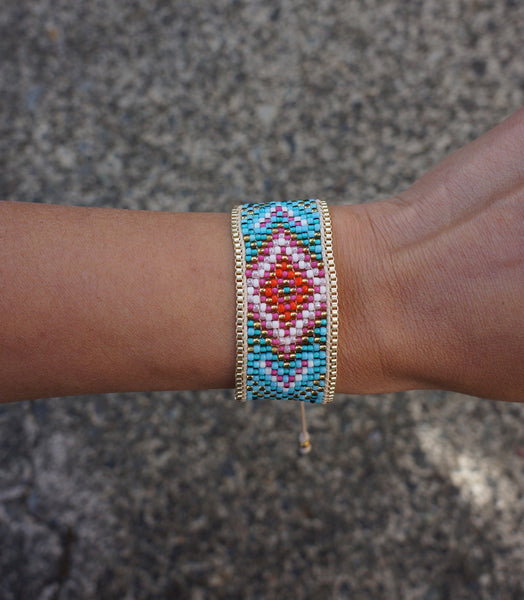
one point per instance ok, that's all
(329, 261)
(241, 302)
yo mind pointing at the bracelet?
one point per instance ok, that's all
(286, 309)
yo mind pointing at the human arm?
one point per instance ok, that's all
(431, 287)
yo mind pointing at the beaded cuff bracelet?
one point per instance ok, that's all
(287, 314)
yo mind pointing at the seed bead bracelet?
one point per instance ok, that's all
(287, 310)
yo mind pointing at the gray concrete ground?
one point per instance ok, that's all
(194, 105)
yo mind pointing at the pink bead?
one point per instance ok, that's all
(256, 316)
(304, 363)
(321, 273)
(280, 378)
(318, 313)
(250, 306)
(314, 263)
(274, 372)
(317, 288)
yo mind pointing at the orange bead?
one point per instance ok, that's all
(281, 308)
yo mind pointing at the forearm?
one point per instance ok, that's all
(102, 300)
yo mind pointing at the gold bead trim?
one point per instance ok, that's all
(331, 274)
(241, 294)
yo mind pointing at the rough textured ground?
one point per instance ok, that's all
(194, 105)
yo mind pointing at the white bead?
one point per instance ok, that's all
(277, 249)
(288, 250)
(309, 273)
(322, 289)
(268, 370)
(301, 264)
(274, 378)
(292, 331)
(281, 333)
(250, 290)
(299, 323)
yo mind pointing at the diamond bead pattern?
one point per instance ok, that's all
(287, 301)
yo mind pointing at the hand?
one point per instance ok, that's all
(432, 280)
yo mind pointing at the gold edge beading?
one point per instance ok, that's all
(241, 305)
(326, 233)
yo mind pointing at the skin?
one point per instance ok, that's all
(431, 289)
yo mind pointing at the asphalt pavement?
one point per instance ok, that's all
(196, 106)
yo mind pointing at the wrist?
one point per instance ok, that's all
(374, 354)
